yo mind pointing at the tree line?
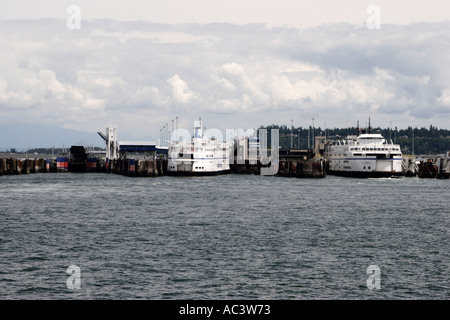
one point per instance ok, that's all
(416, 141)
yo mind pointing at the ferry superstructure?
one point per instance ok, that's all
(202, 155)
(366, 155)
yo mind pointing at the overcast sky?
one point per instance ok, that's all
(237, 64)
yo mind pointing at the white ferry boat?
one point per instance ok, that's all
(366, 155)
(201, 156)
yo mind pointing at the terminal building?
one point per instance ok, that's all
(144, 150)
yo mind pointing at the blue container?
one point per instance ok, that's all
(62, 163)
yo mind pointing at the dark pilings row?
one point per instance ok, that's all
(311, 168)
(129, 167)
(138, 168)
(10, 166)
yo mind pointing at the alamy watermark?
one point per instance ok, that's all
(74, 281)
(374, 20)
(374, 280)
(73, 21)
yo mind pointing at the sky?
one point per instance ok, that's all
(237, 64)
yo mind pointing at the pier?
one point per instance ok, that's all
(292, 163)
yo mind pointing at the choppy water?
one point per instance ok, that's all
(225, 237)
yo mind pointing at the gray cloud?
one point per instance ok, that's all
(142, 74)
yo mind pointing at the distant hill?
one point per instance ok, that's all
(23, 137)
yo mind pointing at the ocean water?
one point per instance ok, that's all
(224, 237)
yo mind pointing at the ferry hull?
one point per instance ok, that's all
(196, 173)
(365, 174)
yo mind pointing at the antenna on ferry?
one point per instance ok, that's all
(357, 127)
(390, 131)
(368, 129)
(292, 133)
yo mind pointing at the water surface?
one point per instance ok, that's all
(224, 237)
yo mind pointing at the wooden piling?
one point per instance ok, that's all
(2, 166)
(17, 166)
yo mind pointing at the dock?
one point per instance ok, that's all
(146, 159)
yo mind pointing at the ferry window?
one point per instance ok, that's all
(369, 168)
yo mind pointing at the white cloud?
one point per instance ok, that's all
(49, 80)
(150, 97)
(444, 99)
(181, 94)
